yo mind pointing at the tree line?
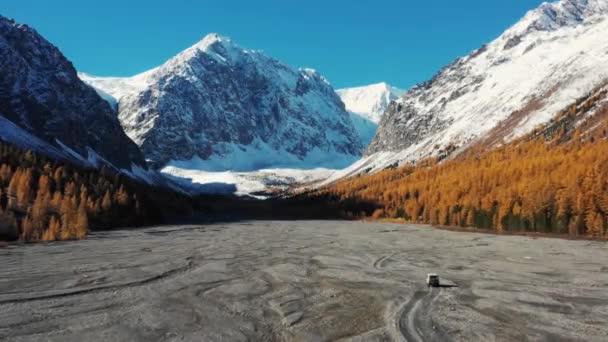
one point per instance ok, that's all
(44, 200)
(554, 180)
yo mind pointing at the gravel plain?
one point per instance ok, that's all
(304, 281)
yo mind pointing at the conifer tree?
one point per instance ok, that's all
(106, 203)
(82, 222)
(24, 188)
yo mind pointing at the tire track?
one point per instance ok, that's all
(108, 288)
(379, 263)
(415, 321)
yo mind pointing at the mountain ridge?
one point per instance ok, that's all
(214, 100)
(370, 100)
(517, 77)
(41, 94)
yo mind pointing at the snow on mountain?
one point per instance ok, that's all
(260, 184)
(364, 127)
(46, 107)
(13, 134)
(554, 55)
(112, 89)
(369, 101)
(221, 107)
(366, 105)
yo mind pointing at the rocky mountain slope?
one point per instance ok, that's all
(554, 55)
(367, 104)
(216, 106)
(46, 107)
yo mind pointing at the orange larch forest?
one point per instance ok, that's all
(45, 200)
(554, 180)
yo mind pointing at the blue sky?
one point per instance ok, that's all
(352, 42)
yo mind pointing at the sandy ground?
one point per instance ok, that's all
(304, 281)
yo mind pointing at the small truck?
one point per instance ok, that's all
(432, 280)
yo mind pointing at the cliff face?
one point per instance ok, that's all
(40, 93)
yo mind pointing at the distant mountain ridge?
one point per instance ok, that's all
(367, 104)
(216, 106)
(369, 101)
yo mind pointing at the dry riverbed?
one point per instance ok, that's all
(304, 281)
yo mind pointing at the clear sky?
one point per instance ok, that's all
(352, 43)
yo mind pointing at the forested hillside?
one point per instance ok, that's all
(554, 180)
(42, 199)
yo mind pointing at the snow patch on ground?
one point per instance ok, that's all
(258, 183)
(259, 155)
(74, 154)
(373, 163)
(14, 134)
(237, 170)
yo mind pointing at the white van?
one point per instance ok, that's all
(432, 279)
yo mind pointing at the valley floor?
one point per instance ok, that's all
(303, 280)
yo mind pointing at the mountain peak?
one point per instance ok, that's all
(369, 101)
(220, 48)
(382, 86)
(10, 21)
(215, 100)
(550, 16)
(212, 39)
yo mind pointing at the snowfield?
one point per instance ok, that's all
(303, 281)
(369, 101)
(260, 184)
(366, 106)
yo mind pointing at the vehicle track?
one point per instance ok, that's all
(379, 263)
(108, 288)
(415, 320)
(234, 285)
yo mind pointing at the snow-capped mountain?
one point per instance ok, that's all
(216, 106)
(554, 55)
(367, 104)
(46, 107)
(369, 101)
(112, 89)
